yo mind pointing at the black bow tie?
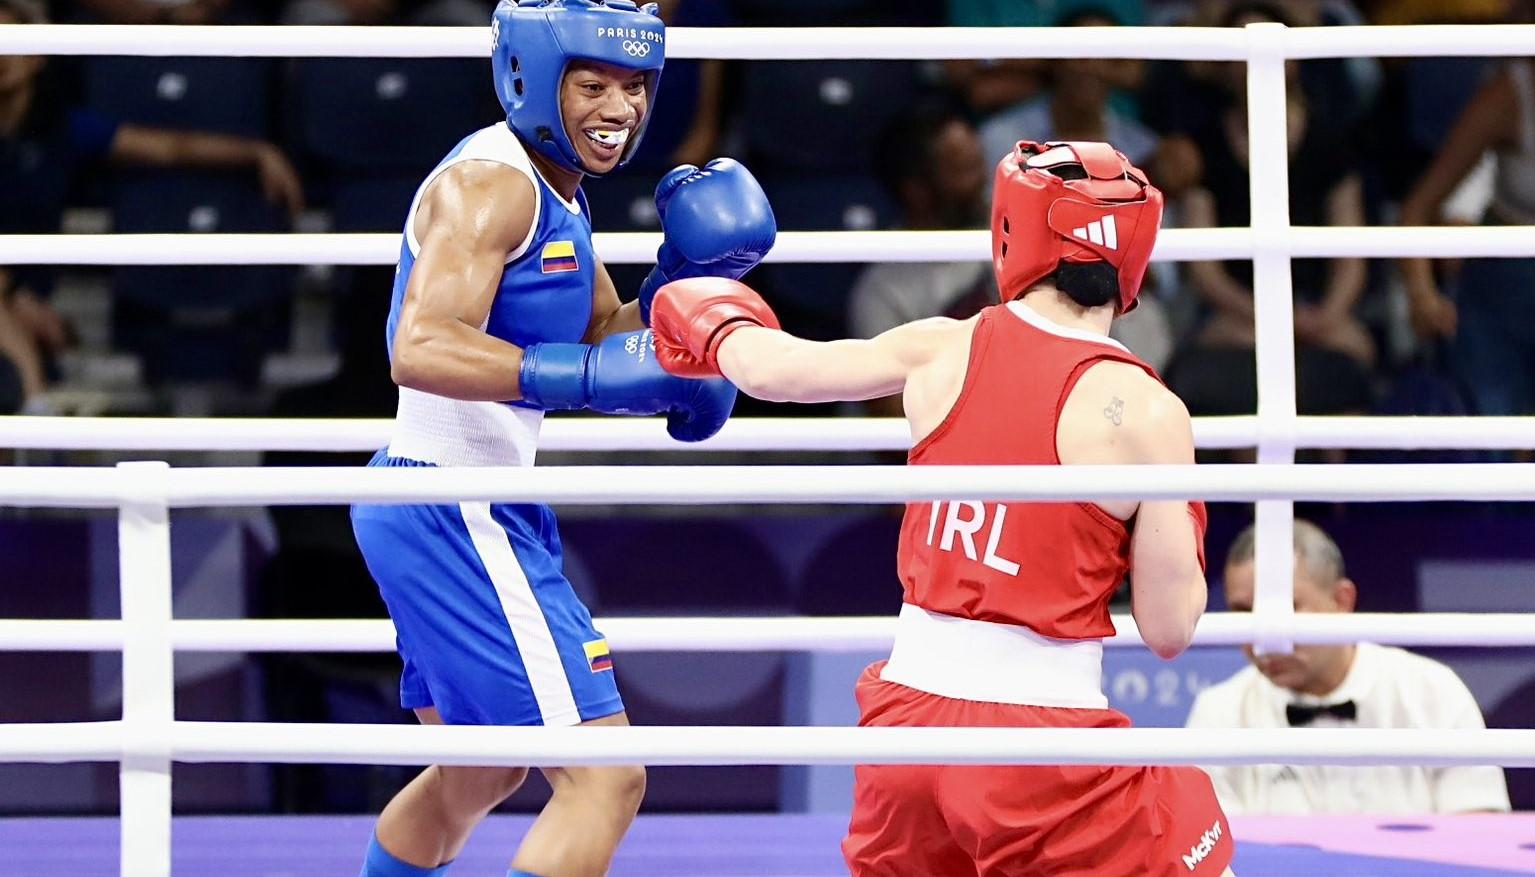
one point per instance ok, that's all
(1300, 714)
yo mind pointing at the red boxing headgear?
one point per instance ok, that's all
(1039, 220)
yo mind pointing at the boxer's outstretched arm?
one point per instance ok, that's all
(471, 216)
(779, 367)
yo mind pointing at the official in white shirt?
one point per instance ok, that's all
(1351, 686)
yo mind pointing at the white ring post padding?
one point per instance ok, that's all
(652, 745)
(1274, 560)
(742, 43)
(1173, 245)
(787, 634)
(576, 433)
(144, 586)
(72, 487)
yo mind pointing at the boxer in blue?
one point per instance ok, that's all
(502, 311)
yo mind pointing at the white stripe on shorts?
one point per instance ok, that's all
(530, 630)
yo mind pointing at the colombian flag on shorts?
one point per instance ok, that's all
(597, 655)
(559, 257)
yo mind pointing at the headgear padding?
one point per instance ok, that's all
(1039, 219)
(534, 41)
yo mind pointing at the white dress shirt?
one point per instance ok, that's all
(1391, 688)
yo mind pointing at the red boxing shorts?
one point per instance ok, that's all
(989, 821)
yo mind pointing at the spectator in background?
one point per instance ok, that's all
(1075, 103)
(1334, 351)
(930, 159)
(1353, 686)
(31, 334)
(992, 85)
(1492, 320)
(45, 145)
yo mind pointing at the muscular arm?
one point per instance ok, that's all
(1119, 415)
(1167, 587)
(609, 317)
(779, 367)
(471, 216)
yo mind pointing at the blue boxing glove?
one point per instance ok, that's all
(717, 223)
(621, 375)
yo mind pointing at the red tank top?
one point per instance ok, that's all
(1051, 567)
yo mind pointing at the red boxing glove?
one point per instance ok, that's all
(692, 316)
(1201, 518)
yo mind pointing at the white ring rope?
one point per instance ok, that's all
(562, 433)
(745, 43)
(90, 487)
(1173, 245)
(788, 634)
(295, 743)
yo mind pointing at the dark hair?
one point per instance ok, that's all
(1091, 284)
(905, 150)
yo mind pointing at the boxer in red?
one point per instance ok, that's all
(1006, 604)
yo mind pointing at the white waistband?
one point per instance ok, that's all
(993, 663)
(451, 432)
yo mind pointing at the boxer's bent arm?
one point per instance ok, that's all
(470, 218)
(609, 316)
(780, 367)
(1167, 588)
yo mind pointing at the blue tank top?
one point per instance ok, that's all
(545, 294)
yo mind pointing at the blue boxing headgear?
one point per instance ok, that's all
(534, 41)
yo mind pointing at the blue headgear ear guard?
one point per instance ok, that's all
(534, 41)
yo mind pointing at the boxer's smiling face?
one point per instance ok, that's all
(602, 107)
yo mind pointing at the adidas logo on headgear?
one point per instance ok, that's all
(1100, 231)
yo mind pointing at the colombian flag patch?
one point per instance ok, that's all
(559, 257)
(597, 655)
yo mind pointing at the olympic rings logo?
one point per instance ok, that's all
(636, 48)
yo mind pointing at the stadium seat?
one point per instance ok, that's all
(391, 115)
(373, 204)
(197, 323)
(228, 95)
(821, 115)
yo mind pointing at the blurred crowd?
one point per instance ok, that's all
(137, 144)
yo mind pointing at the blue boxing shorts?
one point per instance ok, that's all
(490, 630)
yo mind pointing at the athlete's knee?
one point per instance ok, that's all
(477, 790)
(628, 784)
(622, 786)
(619, 788)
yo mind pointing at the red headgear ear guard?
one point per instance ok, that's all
(1039, 220)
